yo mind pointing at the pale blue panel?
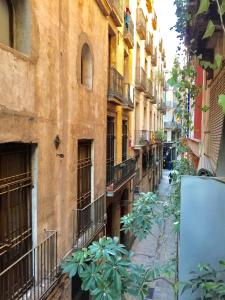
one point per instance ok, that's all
(202, 232)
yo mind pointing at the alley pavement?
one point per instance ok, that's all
(158, 249)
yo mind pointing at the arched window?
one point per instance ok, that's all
(86, 67)
(6, 17)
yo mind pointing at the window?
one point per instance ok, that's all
(86, 67)
(15, 24)
(15, 218)
(6, 28)
(84, 173)
(84, 186)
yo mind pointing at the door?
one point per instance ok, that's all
(15, 219)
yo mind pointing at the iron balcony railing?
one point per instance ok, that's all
(161, 106)
(33, 274)
(117, 11)
(154, 96)
(142, 137)
(128, 96)
(117, 175)
(154, 58)
(104, 5)
(149, 86)
(141, 23)
(137, 180)
(88, 221)
(140, 81)
(161, 46)
(116, 85)
(172, 125)
(129, 33)
(149, 44)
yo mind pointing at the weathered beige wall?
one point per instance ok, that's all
(41, 97)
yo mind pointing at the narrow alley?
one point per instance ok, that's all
(158, 249)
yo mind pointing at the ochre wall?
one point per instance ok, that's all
(41, 97)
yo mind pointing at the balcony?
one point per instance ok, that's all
(154, 58)
(161, 46)
(128, 33)
(119, 175)
(141, 24)
(149, 93)
(154, 96)
(116, 86)
(163, 55)
(33, 274)
(140, 81)
(142, 138)
(154, 21)
(88, 222)
(161, 106)
(104, 6)
(149, 6)
(194, 146)
(128, 97)
(149, 44)
(117, 11)
(172, 125)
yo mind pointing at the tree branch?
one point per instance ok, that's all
(221, 15)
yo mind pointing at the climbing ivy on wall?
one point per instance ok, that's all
(184, 19)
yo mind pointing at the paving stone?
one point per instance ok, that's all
(158, 249)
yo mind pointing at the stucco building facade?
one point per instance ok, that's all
(68, 160)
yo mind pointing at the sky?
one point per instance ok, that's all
(165, 11)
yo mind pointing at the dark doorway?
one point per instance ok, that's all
(124, 237)
(77, 292)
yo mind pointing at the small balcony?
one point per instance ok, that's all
(154, 58)
(119, 175)
(141, 24)
(128, 33)
(140, 81)
(104, 6)
(149, 93)
(149, 6)
(117, 11)
(161, 46)
(161, 106)
(154, 96)
(128, 97)
(142, 138)
(154, 21)
(163, 55)
(116, 86)
(88, 222)
(149, 44)
(33, 274)
(172, 125)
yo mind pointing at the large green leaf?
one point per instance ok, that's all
(222, 7)
(221, 101)
(218, 60)
(203, 7)
(209, 30)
